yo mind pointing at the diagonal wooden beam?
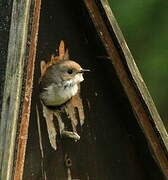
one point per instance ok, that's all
(130, 78)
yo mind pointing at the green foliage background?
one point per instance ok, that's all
(145, 27)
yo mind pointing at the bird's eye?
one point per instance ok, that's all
(70, 71)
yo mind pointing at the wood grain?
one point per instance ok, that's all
(13, 85)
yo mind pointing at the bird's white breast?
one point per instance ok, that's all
(59, 94)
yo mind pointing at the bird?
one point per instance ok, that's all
(60, 82)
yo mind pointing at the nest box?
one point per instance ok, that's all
(121, 133)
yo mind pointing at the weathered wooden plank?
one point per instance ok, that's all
(128, 75)
(136, 76)
(13, 85)
(5, 18)
(24, 124)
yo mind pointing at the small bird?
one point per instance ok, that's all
(60, 82)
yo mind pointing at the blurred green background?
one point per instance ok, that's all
(145, 28)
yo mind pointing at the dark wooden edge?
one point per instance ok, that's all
(131, 80)
(12, 105)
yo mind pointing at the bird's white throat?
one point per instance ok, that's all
(76, 80)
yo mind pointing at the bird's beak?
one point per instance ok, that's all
(84, 70)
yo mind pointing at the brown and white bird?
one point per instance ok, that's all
(60, 82)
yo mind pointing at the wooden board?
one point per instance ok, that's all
(109, 137)
(17, 83)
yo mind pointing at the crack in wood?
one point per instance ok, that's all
(72, 111)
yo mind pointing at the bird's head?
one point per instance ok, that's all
(70, 70)
(65, 72)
